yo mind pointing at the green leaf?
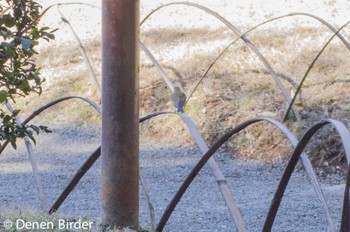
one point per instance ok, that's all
(13, 144)
(44, 12)
(3, 96)
(15, 113)
(2, 134)
(10, 52)
(35, 128)
(13, 141)
(8, 20)
(26, 43)
(19, 34)
(6, 120)
(5, 33)
(45, 129)
(50, 36)
(30, 135)
(44, 29)
(25, 87)
(6, 45)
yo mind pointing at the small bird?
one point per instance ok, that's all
(179, 98)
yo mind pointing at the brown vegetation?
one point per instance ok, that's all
(236, 89)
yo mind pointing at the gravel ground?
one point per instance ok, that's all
(202, 208)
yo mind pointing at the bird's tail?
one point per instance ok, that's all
(180, 108)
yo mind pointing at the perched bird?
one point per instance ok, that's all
(179, 98)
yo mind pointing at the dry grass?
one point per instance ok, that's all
(236, 89)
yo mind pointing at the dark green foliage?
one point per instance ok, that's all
(19, 76)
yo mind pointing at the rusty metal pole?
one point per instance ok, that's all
(120, 126)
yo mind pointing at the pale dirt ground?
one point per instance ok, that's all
(244, 14)
(240, 13)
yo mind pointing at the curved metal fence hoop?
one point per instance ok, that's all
(309, 69)
(336, 124)
(86, 166)
(329, 26)
(55, 102)
(94, 156)
(248, 42)
(220, 179)
(288, 134)
(43, 108)
(212, 150)
(345, 138)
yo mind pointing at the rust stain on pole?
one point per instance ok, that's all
(120, 126)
